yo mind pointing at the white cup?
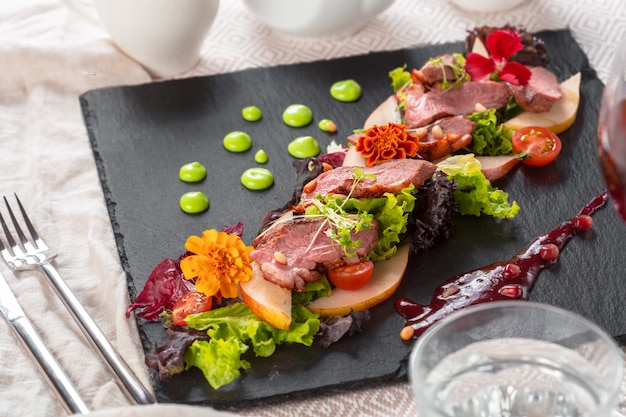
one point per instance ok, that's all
(487, 5)
(318, 19)
(165, 36)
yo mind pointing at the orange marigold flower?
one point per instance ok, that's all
(380, 143)
(219, 262)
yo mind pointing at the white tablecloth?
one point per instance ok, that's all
(49, 56)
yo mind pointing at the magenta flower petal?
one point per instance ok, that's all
(515, 73)
(478, 67)
(502, 44)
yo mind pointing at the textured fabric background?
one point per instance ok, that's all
(50, 56)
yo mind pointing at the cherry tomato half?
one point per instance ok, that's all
(191, 303)
(352, 276)
(540, 145)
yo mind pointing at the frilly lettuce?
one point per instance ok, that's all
(488, 137)
(391, 211)
(316, 289)
(475, 195)
(400, 77)
(232, 331)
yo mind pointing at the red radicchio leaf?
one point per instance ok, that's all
(235, 229)
(169, 358)
(164, 287)
(334, 159)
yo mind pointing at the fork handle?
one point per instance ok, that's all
(120, 368)
(57, 378)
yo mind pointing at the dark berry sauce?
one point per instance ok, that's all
(507, 280)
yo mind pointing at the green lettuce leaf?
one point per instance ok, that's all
(312, 290)
(475, 195)
(232, 330)
(219, 360)
(393, 217)
(399, 77)
(489, 137)
(391, 211)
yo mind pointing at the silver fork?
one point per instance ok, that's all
(36, 254)
(28, 335)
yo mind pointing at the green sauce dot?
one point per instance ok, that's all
(260, 157)
(327, 125)
(237, 141)
(192, 172)
(346, 90)
(297, 115)
(257, 179)
(304, 147)
(194, 202)
(251, 113)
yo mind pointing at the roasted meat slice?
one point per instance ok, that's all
(542, 91)
(437, 70)
(292, 252)
(423, 109)
(444, 137)
(389, 176)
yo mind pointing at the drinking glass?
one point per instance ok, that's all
(612, 132)
(515, 358)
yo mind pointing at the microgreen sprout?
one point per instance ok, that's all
(339, 224)
(458, 69)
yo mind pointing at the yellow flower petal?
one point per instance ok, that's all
(220, 262)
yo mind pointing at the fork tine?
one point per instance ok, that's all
(31, 229)
(27, 245)
(8, 236)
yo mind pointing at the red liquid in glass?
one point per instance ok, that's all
(612, 153)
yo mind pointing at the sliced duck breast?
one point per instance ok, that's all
(436, 70)
(423, 109)
(292, 252)
(444, 137)
(540, 93)
(389, 176)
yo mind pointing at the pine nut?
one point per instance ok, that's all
(421, 132)
(280, 258)
(437, 132)
(407, 333)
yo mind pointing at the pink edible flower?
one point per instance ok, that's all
(502, 45)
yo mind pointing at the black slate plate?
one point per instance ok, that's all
(141, 135)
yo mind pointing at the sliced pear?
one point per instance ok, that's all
(561, 115)
(495, 167)
(353, 158)
(480, 48)
(383, 283)
(270, 302)
(386, 112)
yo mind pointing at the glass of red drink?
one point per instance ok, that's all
(612, 132)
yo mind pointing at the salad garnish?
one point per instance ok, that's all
(218, 261)
(502, 45)
(475, 195)
(339, 224)
(489, 137)
(382, 143)
(458, 69)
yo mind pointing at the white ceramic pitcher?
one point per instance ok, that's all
(165, 36)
